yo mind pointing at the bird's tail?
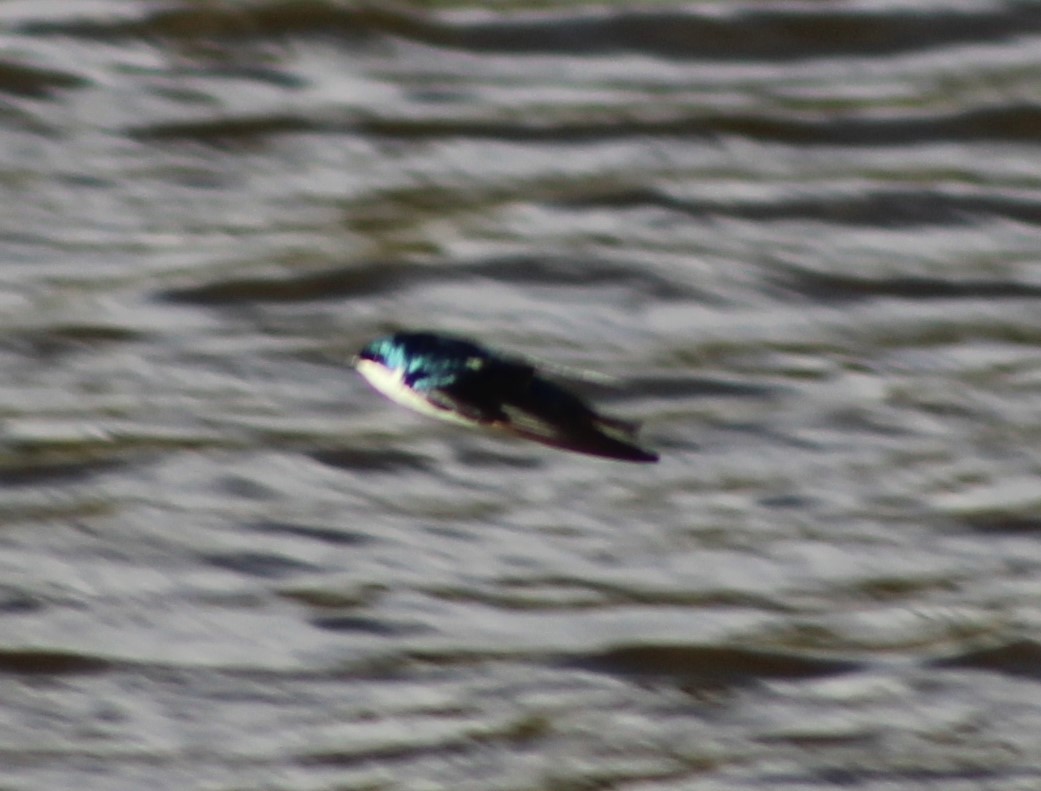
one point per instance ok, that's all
(620, 439)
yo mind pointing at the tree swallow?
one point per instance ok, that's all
(457, 380)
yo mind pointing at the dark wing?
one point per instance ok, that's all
(478, 389)
(511, 397)
(602, 436)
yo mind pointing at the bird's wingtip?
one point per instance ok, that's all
(623, 433)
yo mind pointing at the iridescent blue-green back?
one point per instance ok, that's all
(429, 361)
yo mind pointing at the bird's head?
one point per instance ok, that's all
(387, 352)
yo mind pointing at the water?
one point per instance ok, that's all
(804, 240)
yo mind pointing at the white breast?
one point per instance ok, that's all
(392, 384)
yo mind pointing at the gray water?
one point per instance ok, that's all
(803, 239)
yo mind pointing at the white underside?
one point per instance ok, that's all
(392, 384)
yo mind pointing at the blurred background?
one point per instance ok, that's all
(804, 239)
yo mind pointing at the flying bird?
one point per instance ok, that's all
(457, 380)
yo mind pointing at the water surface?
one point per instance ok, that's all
(802, 237)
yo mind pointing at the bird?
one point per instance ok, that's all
(460, 381)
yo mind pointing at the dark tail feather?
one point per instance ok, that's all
(620, 434)
(609, 447)
(617, 426)
(608, 441)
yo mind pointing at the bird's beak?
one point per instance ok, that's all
(354, 360)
